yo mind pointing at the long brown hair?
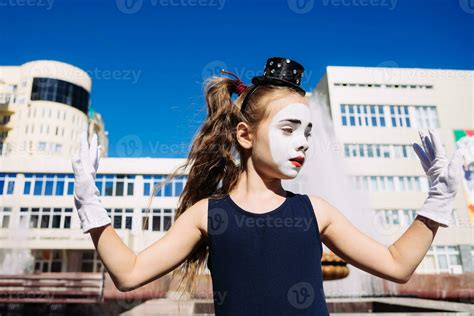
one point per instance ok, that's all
(213, 168)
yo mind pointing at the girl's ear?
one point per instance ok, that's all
(244, 135)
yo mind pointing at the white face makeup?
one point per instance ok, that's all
(289, 136)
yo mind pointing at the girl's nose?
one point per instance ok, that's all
(303, 144)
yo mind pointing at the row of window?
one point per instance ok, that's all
(399, 217)
(157, 219)
(390, 86)
(45, 217)
(50, 184)
(115, 184)
(48, 112)
(371, 115)
(442, 259)
(379, 151)
(45, 129)
(391, 183)
(50, 147)
(171, 188)
(51, 260)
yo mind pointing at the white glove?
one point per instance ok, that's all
(86, 195)
(444, 176)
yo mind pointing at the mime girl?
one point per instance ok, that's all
(261, 243)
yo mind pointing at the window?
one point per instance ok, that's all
(115, 185)
(442, 259)
(60, 91)
(400, 116)
(388, 183)
(47, 260)
(5, 215)
(48, 184)
(362, 114)
(90, 262)
(426, 117)
(121, 219)
(174, 187)
(7, 183)
(157, 219)
(46, 217)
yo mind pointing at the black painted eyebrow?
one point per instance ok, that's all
(296, 121)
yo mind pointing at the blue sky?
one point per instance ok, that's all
(148, 58)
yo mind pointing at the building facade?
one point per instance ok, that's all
(37, 212)
(377, 113)
(43, 109)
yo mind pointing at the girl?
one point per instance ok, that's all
(262, 243)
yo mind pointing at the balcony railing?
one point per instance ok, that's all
(60, 288)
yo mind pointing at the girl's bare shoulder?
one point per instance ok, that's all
(198, 211)
(322, 210)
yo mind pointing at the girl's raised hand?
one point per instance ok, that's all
(444, 176)
(86, 195)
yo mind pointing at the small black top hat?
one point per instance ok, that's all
(282, 72)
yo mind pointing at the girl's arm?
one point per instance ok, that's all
(395, 263)
(130, 271)
(399, 260)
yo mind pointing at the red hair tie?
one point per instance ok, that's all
(240, 85)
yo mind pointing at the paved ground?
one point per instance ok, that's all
(168, 307)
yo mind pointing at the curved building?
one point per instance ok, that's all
(44, 106)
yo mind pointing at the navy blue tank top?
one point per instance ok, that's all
(265, 264)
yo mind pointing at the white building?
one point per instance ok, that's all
(43, 108)
(374, 112)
